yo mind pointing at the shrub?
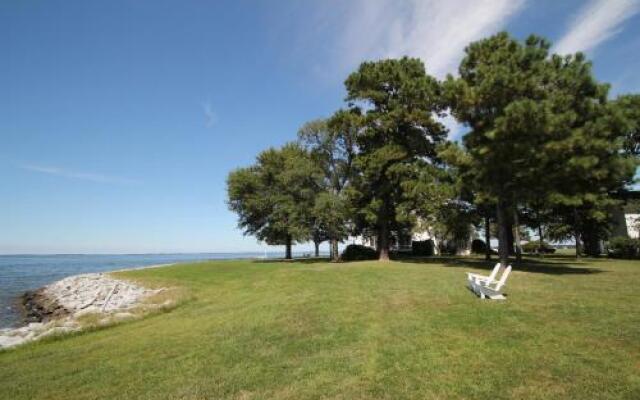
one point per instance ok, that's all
(354, 252)
(448, 247)
(478, 246)
(623, 247)
(530, 247)
(422, 248)
(535, 247)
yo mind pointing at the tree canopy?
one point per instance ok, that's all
(331, 144)
(545, 146)
(273, 197)
(628, 108)
(540, 128)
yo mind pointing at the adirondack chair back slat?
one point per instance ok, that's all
(494, 273)
(503, 278)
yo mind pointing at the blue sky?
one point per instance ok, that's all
(120, 120)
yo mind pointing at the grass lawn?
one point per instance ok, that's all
(399, 330)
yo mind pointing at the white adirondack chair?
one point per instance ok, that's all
(471, 277)
(491, 290)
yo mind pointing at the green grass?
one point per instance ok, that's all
(311, 330)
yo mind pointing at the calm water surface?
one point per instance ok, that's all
(19, 273)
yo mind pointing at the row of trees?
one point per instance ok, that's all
(545, 147)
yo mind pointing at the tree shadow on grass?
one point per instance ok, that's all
(553, 266)
(307, 260)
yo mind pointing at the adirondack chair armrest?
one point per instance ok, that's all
(481, 280)
(471, 275)
(493, 286)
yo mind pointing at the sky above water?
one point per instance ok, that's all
(120, 120)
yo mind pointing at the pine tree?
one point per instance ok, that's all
(396, 102)
(501, 95)
(541, 131)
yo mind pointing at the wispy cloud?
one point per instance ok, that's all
(595, 23)
(87, 176)
(434, 30)
(211, 118)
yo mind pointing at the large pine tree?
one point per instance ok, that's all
(398, 103)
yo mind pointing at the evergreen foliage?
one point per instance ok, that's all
(541, 132)
(396, 102)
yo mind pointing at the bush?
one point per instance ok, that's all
(623, 247)
(422, 248)
(535, 247)
(478, 246)
(448, 247)
(355, 252)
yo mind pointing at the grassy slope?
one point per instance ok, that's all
(256, 330)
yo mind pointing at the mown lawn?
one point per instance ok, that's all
(399, 330)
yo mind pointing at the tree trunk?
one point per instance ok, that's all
(335, 255)
(509, 228)
(591, 240)
(487, 238)
(503, 233)
(317, 249)
(516, 234)
(287, 254)
(383, 240)
(540, 239)
(576, 233)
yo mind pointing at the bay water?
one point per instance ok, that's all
(19, 273)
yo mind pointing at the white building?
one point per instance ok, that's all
(403, 243)
(632, 223)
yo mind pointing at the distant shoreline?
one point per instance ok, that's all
(222, 253)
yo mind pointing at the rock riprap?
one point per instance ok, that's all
(95, 293)
(55, 308)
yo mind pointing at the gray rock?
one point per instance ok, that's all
(55, 308)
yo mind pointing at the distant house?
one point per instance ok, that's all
(402, 242)
(399, 242)
(633, 225)
(626, 224)
(626, 219)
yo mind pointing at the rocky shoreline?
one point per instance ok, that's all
(37, 307)
(58, 307)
